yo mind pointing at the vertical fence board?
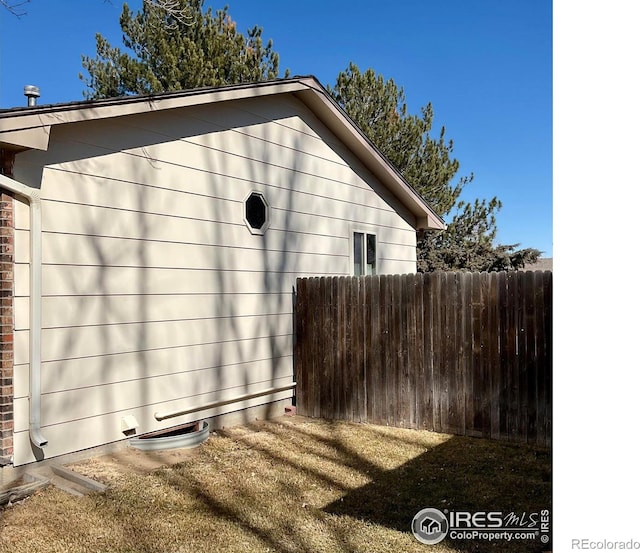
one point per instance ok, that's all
(393, 367)
(336, 339)
(384, 345)
(445, 376)
(455, 391)
(538, 333)
(300, 349)
(456, 354)
(416, 349)
(327, 369)
(427, 386)
(361, 407)
(531, 362)
(306, 396)
(375, 395)
(546, 407)
(475, 373)
(366, 321)
(492, 356)
(436, 344)
(345, 379)
(485, 338)
(522, 418)
(392, 357)
(407, 330)
(349, 374)
(515, 316)
(316, 351)
(466, 353)
(540, 393)
(505, 350)
(523, 363)
(349, 353)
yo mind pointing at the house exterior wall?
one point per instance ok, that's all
(156, 296)
(6, 327)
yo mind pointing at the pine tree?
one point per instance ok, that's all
(181, 48)
(379, 108)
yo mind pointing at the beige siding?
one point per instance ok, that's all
(93, 401)
(156, 295)
(61, 280)
(70, 311)
(79, 434)
(123, 366)
(87, 341)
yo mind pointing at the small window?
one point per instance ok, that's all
(364, 254)
(256, 213)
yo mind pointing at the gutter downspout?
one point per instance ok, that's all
(32, 196)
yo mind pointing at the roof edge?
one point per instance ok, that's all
(426, 217)
(60, 107)
(29, 127)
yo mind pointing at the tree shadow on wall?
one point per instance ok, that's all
(462, 474)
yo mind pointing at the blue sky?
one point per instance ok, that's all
(484, 65)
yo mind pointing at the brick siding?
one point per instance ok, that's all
(6, 325)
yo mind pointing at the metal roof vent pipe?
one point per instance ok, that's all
(32, 93)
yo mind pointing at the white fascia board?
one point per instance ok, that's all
(55, 114)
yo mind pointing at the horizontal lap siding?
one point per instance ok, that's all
(92, 280)
(87, 341)
(70, 311)
(123, 366)
(70, 187)
(204, 386)
(156, 295)
(84, 433)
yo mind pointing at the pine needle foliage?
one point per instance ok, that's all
(182, 48)
(427, 162)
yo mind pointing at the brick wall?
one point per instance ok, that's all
(6, 325)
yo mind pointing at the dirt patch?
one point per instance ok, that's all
(106, 468)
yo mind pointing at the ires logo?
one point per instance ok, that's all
(431, 526)
(463, 519)
(493, 519)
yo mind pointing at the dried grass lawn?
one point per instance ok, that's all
(289, 485)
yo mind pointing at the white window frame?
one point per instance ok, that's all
(267, 207)
(364, 230)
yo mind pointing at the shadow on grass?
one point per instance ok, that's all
(456, 474)
(292, 486)
(461, 474)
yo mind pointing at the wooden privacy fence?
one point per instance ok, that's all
(461, 353)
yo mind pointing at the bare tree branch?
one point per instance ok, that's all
(15, 6)
(174, 8)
